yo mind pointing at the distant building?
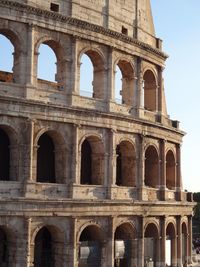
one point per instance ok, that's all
(89, 180)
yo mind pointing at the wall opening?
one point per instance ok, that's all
(86, 76)
(4, 156)
(86, 163)
(7, 60)
(150, 91)
(170, 171)
(125, 165)
(118, 85)
(124, 83)
(4, 250)
(92, 161)
(151, 247)
(90, 248)
(54, 7)
(46, 160)
(43, 252)
(151, 167)
(125, 245)
(46, 63)
(170, 244)
(92, 75)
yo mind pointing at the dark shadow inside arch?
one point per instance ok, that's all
(4, 253)
(125, 245)
(43, 252)
(151, 248)
(151, 167)
(86, 163)
(125, 164)
(90, 250)
(4, 156)
(46, 160)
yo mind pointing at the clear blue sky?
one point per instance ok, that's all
(177, 23)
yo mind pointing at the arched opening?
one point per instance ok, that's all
(51, 67)
(151, 167)
(90, 248)
(184, 244)
(4, 249)
(124, 83)
(86, 76)
(7, 59)
(46, 160)
(151, 244)
(170, 244)
(118, 85)
(150, 91)
(92, 75)
(125, 246)
(92, 161)
(125, 165)
(43, 252)
(46, 63)
(170, 170)
(4, 156)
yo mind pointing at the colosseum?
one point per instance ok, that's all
(89, 180)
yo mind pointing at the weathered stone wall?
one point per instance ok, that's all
(135, 188)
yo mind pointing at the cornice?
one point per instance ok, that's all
(81, 24)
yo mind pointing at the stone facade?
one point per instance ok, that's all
(87, 181)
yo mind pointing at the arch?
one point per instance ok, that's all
(48, 243)
(150, 90)
(4, 156)
(151, 167)
(50, 146)
(125, 164)
(92, 161)
(96, 71)
(43, 252)
(57, 64)
(125, 245)
(46, 160)
(13, 73)
(8, 153)
(170, 170)
(7, 246)
(124, 71)
(90, 246)
(170, 243)
(151, 248)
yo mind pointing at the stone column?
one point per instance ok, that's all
(178, 167)
(75, 169)
(73, 83)
(110, 77)
(112, 161)
(179, 242)
(110, 248)
(174, 250)
(189, 260)
(28, 155)
(163, 242)
(141, 242)
(31, 64)
(162, 169)
(73, 244)
(160, 91)
(141, 166)
(28, 241)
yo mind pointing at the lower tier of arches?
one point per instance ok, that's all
(110, 241)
